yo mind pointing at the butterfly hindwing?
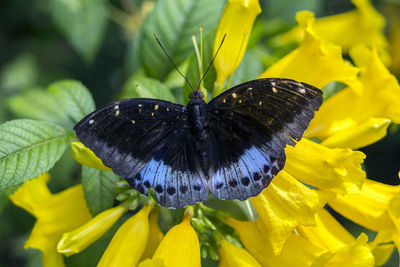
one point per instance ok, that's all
(172, 173)
(246, 177)
(253, 122)
(146, 141)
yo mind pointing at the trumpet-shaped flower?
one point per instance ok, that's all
(78, 239)
(368, 208)
(296, 251)
(55, 214)
(155, 236)
(329, 234)
(360, 135)
(363, 25)
(234, 256)
(347, 110)
(180, 246)
(300, 251)
(236, 23)
(285, 204)
(129, 242)
(337, 170)
(314, 61)
(86, 157)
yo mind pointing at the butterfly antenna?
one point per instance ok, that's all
(209, 66)
(165, 52)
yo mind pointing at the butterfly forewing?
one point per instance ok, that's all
(232, 146)
(147, 141)
(253, 122)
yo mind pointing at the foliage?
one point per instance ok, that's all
(108, 50)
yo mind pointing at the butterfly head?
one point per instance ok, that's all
(196, 95)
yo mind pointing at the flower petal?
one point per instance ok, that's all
(358, 254)
(297, 251)
(56, 214)
(327, 232)
(152, 263)
(155, 236)
(368, 208)
(77, 240)
(129, 242)
(337, 170)
(394, 211)
(314, 61)
(360, 135)
(32, 194)
(86, 157)
(285, 204)
(379, 98)
(232, 256)
(236, 22)
(180, 247)
(363, 25)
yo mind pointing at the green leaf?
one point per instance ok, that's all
(36, 103)
(249, 69)
(174, 21)
(98, 189)
(74, 97)
(83, 22)
(192, 73)
(29, 148)
(146, 88)
(64, 102)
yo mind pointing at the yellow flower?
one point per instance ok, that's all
(368, 208)
(234, 256)
(180, 247)
(55, 214)
(329, 234)
(236, 22)
(314, 61)
(348, 110)
(78, 239)
(296, 251)
(363, 25)
(285, 204)
(86, 157)
(155, 236)
(129, 242)
(337, 170)
(360, 135)
(394, 35)
(310, 248)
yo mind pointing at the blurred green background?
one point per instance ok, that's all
(97, 42)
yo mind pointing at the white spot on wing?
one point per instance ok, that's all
(133, 121)
(116, 107)
(156, 107)
(273, 83)
(91, 121)
(234, 95)
(117, 113)
(302, 90)
(274, 90)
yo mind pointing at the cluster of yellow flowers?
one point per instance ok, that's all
(292, 228)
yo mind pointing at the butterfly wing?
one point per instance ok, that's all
(252, 123)
(147, 141)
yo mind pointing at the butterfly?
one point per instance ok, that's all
(232, 146)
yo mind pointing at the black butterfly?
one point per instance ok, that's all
(233, 146)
